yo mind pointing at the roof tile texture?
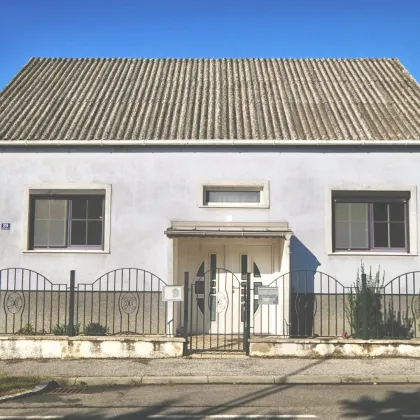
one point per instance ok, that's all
(171, 99)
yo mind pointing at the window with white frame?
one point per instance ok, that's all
(225, 194)
(67, 219)
(370, 221)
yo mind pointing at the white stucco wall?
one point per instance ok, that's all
(150, 188)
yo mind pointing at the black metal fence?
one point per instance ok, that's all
(129, 301)
(122, 301)
(314, 304)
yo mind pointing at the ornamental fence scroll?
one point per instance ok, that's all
(315, 304)
(122, 301)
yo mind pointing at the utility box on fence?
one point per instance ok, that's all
(268, 295)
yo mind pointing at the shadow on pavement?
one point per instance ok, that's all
(396, 405)
(159, 409)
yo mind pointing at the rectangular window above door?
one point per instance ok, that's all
(375, 221)
(234, 194)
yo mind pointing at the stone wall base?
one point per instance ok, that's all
(44, 347)
(315, 348)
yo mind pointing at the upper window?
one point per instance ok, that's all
(66, 221)
(225, 194)
(370, 221)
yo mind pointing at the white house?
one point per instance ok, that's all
(261, 166)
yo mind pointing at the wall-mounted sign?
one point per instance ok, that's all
(268, 295)
(173, 293)
(5, 226)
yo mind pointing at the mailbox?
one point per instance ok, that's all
(173, 294)
(268, 295)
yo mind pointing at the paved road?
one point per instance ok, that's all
(225, 401)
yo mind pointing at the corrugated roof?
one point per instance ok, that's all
(164, 99)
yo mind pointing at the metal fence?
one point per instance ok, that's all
(122, 301)
(129, 301)
(315, 304)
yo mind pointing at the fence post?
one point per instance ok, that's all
(70, 326)
(365, 334)
(186, 291)
(247, 326)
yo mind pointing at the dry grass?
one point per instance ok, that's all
(15, 384)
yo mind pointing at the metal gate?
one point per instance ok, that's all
(216, 312)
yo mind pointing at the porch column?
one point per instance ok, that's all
(285, 302)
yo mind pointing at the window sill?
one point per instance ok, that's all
(65, 251)
(234, 206)
(373, 254)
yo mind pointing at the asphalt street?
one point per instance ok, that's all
(223, 401)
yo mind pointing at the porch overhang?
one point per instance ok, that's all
(229, 229)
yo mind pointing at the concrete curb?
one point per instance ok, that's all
(196, 380)
(42, 387)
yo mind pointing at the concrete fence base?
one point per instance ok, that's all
(51, 347)
(316, 348)
(157, 347)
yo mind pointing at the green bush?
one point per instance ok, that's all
(396, 325)
(28, 329)
(95, 328)
(380, 322)
(62, 329)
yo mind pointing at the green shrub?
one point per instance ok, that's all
(62, 329)
(380, 322)
(28, 329)
(95, 328)
(396, 325)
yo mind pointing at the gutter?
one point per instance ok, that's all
(279, 143)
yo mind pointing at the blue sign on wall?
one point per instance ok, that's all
(5, 226)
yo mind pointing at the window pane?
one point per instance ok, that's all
(380, 212)
(200, 272)
(94, 236)
(359, 212)
(359, 237)
(342, 212)
(397, 212)
(244, 266)
(78, 208)
(380, 235)
(397, 235)
(257, 273)
(78, 233)
(95, 208)
(342, 235)
(57, 235)
(58, 209)
(233, 196)
(41, 230)
(42, 209)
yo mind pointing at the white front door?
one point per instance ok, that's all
(217, 271)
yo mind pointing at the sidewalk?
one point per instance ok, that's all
(235, 370)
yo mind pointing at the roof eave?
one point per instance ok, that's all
(90, 143)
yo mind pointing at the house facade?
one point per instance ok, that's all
(250, 166)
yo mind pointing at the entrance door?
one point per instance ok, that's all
(258, 261)
(218, 271)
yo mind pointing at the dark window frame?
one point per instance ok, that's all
(68, 198)
(371, 198)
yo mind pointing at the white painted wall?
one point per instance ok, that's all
(152, 187)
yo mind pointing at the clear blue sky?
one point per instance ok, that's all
(208, 28)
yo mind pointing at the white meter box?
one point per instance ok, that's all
(173, 293)
(268, 295)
